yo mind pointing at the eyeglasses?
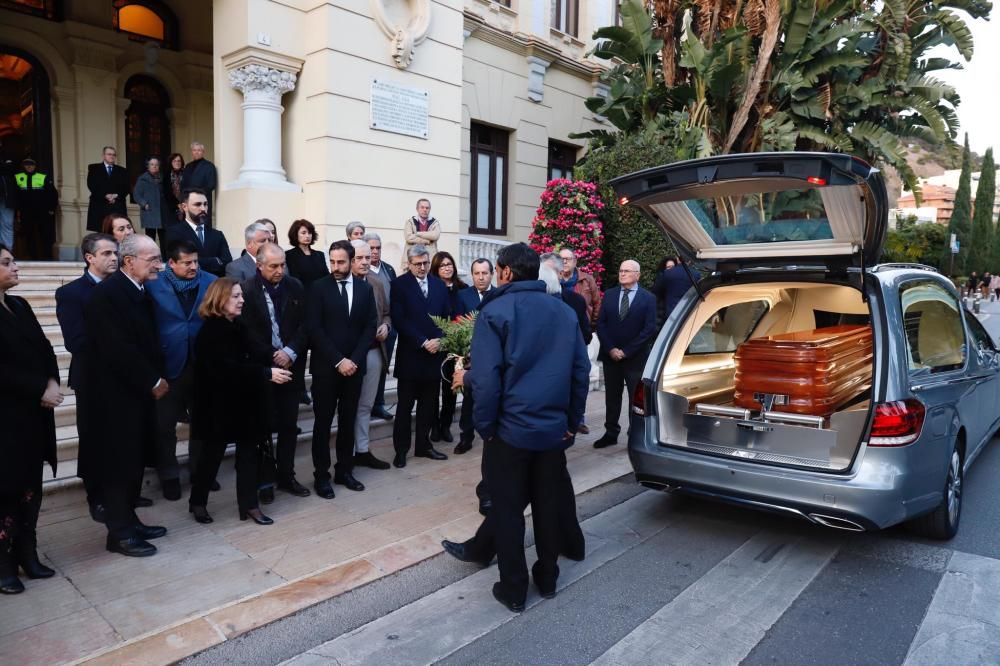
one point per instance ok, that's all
(156, 259)
(627, 270)
(420, 263)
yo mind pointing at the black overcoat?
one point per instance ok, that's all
(100, 184)
(27, 362)
(291, 324)
(123, 364)
(230, 387)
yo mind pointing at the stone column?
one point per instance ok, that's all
(262, 87)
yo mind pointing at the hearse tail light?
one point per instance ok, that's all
(816, 180)
(897, 423)
(623, 201)
(639, 406)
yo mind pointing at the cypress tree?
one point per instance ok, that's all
(961, 217)
(982, 217)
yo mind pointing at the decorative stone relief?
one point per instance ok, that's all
(406, 24)
(536, 77)
(259, 78)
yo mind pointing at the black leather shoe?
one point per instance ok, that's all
(200, 514)
(150, 531)
(295, 488)
(11, 585)
(382, 413)
(324, 490)
(368, 459)
(463, 447)
(512, 606)
(484, 506)
(257, 516)
(446, 435)
(304, 399)
(171, 489)
(266, 495)
(435, 434)
(142, 502)
(27, 558)
(97, 513)
(348, 481)
(431, 453)
(215, 487)
(605, 441)
(460, 552)
(132, 547)
(399, 460)
(545, 585)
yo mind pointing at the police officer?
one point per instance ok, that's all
(36, 204)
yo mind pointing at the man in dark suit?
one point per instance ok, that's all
(414, 299)
(213, 249)
(626, 326)
(123, 379)
(245, 268)
(108, 185)
(274, 314)
(381, 270)
(176, 296)
(342, 322)
(470, 300)
(100, 252)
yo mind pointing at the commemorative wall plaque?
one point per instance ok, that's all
(398, 108)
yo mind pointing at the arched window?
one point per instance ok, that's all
(147, 129)
(25, 123)
(146, 20)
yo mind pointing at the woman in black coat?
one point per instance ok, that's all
(229, 401)
(443, 266)
(29, 391)
(304, 263)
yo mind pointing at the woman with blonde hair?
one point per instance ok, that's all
(230, 400)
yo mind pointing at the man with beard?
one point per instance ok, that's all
(176, 296)
(122, 381)
(274, 316)
(342, 321)
(213, 250)
(100, 253)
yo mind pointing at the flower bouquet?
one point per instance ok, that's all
(456, 340)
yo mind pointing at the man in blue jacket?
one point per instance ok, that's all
(626, 326)
(176, 297)
(530, 375)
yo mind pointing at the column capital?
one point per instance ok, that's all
(261, 78)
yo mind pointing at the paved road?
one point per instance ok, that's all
(671, 580)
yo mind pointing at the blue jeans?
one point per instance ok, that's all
(7, 227)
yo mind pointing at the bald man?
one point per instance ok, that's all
(626, 326)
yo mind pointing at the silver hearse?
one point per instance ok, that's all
(780, 243)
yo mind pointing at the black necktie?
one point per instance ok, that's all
(343, 294)
(108, 167)
(201, 234)
(623, 308)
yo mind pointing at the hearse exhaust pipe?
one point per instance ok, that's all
(836, 523)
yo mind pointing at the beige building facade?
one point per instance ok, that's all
(330, 111)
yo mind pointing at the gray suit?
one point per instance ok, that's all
(243, 268)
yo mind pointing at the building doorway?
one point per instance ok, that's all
(147, 128)
(25, 110)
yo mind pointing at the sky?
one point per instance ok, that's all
(979, 85)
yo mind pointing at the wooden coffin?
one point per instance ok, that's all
(818, 370)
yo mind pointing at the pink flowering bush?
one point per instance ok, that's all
(569, 216)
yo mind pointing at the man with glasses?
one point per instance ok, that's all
(414, 298)
(123, 379)
(108, 185)
(213, 249)
(626, 326)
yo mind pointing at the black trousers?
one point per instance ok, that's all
(169, 410)
(618, 375)
(39, 233)
(467, 430)
(19, 518)
(285, 404)
(424, 393)
(390, 344)
(85, 433)
(247, 469)
(119, 495)
(572, 543)
(334, 394)
(446, 417)
(517, 477)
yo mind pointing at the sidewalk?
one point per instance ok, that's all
(211, 583)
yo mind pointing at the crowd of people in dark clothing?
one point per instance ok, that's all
(193, 336)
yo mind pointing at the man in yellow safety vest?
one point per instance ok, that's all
(36, 206)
